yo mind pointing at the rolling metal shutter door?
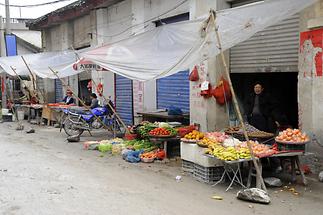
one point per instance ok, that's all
(274, 49)
(174, 91)
(124, 101)
(58, 90)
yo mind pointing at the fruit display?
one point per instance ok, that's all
(182, 131)
(194, 135)
(225, 153)
(217, 136)
(164, 131)
(231, 142)
(205, 142)
(292, 136)
(259, 150)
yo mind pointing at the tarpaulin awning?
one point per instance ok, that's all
(39, 64)
(168, 49)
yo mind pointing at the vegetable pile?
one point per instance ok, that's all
(140, 145)
(164, 131)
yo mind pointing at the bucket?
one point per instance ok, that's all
(21, 114)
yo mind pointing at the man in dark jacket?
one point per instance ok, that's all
(260, 108)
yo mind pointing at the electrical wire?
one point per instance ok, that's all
(36, 5)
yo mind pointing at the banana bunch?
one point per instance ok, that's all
(227, 154)
(244, 153)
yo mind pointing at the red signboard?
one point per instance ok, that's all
(310, 56)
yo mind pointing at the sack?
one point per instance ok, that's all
(194, 76)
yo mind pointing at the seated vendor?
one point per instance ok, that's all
(68, 98)
(94, 101)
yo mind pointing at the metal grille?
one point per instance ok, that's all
(124, 100)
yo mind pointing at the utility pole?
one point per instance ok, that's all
(3, 77)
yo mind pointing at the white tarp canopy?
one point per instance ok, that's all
(176, 47)
(168, 49)
(39, 64)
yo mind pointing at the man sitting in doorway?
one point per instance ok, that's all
(260, 108)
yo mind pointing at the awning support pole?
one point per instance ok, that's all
(237, 109)
(35, 86)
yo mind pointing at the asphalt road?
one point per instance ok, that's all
(41, 173)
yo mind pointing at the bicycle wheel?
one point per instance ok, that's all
(70, 127)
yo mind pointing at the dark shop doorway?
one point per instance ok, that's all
(281, 86)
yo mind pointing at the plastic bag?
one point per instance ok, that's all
(194, 76)
(222, 92)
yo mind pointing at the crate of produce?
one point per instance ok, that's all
(207, 174)
(187, 166)
(188, 151)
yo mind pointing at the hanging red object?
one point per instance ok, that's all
(194, 76)
(89, 85)
(99, 89)
(222, 92)
(2, 85)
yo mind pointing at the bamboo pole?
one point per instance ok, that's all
(19, 78)
(78, 98)
(13, 101)
(112, 108)
(35, 86)
(105, 99)
(236, 106)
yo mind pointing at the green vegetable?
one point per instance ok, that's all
(172, 131)
(144, 130)
(105, 147)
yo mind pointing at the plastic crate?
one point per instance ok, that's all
(187, 166)
(207, 174)
(290, 147)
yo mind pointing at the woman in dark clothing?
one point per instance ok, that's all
(260, 108)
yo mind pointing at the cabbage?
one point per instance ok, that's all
(163, 125)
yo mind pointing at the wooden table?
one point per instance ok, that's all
(162, 116)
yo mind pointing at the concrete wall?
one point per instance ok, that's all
(310, 92)
(203, 111)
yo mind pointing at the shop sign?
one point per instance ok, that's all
(86, 65)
